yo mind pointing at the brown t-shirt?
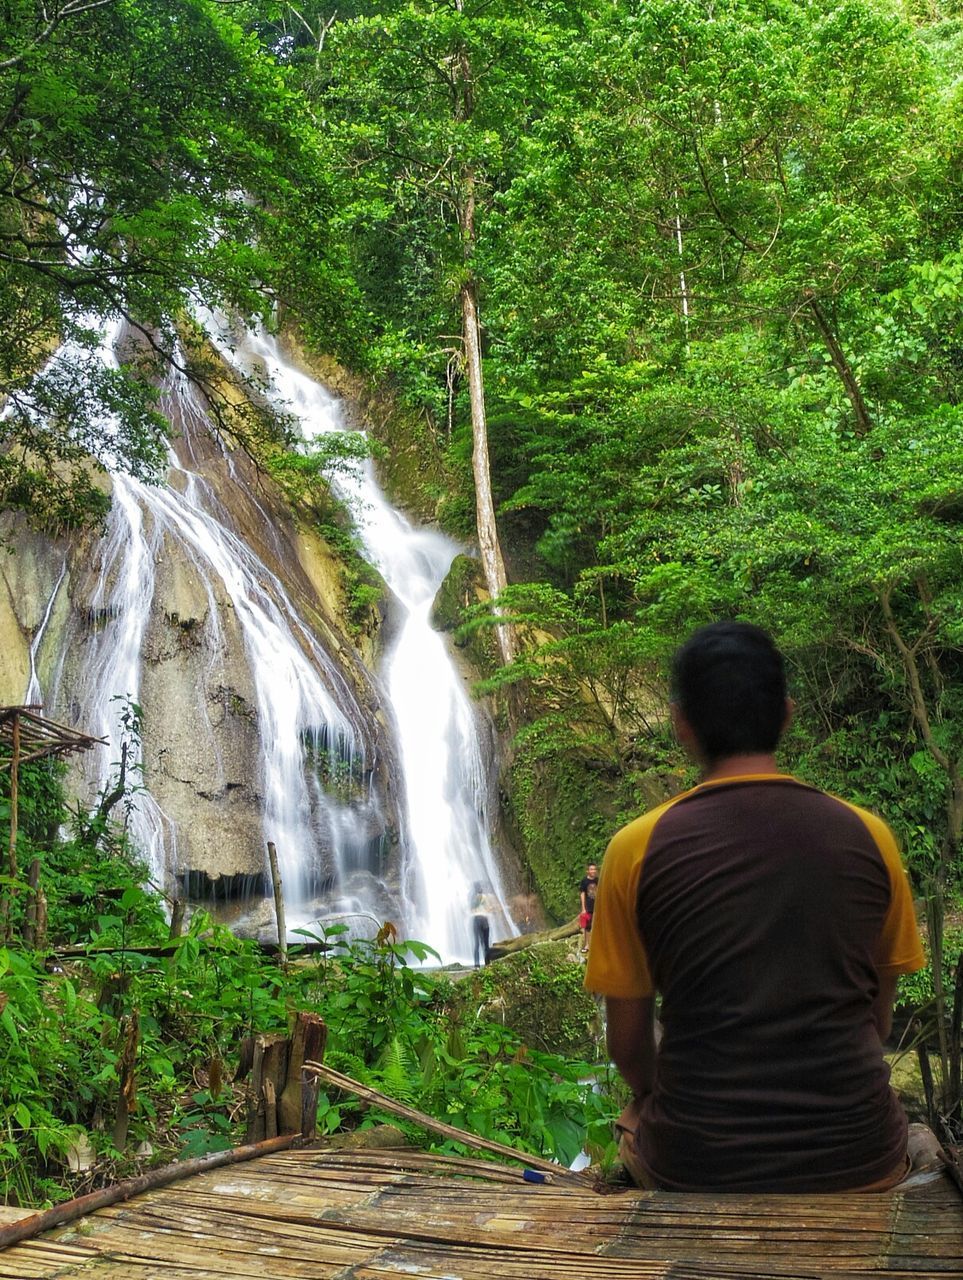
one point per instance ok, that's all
(763, 910)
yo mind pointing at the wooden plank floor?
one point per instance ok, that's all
(313, 1215)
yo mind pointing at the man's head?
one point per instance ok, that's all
(592, 871)
(729, 683)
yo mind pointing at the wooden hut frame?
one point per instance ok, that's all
(27, 735)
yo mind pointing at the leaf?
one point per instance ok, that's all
(6, 1018)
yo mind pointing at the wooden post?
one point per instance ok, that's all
(40, 932)
(269, 1069)
(177, 918)
(278, 903)
(270, 1110)
(12, 842)
(298, 1103)
(283, 1095)
(30, 920)
(126, 1071)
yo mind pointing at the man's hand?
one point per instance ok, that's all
(630, 1036)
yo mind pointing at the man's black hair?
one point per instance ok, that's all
(729, 681)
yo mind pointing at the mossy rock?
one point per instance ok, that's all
(565, 805)
(565, 816)
(538, 994)
(462, 588)
(907, 1081)
(412, 468)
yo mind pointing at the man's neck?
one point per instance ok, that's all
(738, 766)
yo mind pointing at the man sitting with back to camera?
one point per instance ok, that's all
(773, 920)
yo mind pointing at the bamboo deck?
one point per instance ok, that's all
(317, 1215)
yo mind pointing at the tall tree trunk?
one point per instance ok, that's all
(493, 563)
(12, 869)
(488, 544)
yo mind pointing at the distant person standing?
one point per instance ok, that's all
(586, 889)
(481, 906)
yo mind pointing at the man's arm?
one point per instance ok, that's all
(883, 1004)
(630, 1036)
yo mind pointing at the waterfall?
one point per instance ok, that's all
(315, 795)
(118, 607)
(448, 848)
(305, 730)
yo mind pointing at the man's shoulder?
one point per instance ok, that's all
(828, 800)
(630, 841)
(878, 829)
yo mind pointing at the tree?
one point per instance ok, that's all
(757, 415)
(424, 107)
(148, 154)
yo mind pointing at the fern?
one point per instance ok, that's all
(399, 1071)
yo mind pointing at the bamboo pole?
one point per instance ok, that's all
(12, 842)
(178, 909)
(278, 903)
(554, 1172)
(30, 919)
(71, 1210)
(169, 949)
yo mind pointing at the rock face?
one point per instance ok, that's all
(28, 577)
(199, 682)
(205, 757)
(539, 994)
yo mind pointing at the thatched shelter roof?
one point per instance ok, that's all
(38, 736)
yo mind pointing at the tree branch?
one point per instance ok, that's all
(70, 10)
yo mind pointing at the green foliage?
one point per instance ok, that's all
(916, 990)
(51, 1056)
(391, 1027)
(148, 153)
(63, 1028)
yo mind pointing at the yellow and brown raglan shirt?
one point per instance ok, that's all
(763, 911)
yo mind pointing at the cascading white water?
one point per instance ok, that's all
(119, 607)
(298, 717)
(293, 676)
(310, 726)
(121, 604)
(448, 848)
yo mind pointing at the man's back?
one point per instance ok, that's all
(763, 911)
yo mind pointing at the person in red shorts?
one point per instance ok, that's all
(586, 896)
(772, 920)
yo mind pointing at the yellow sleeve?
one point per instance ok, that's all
(899, 949)
(617, 963)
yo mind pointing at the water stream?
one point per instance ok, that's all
(447, 849)
(310, 724)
